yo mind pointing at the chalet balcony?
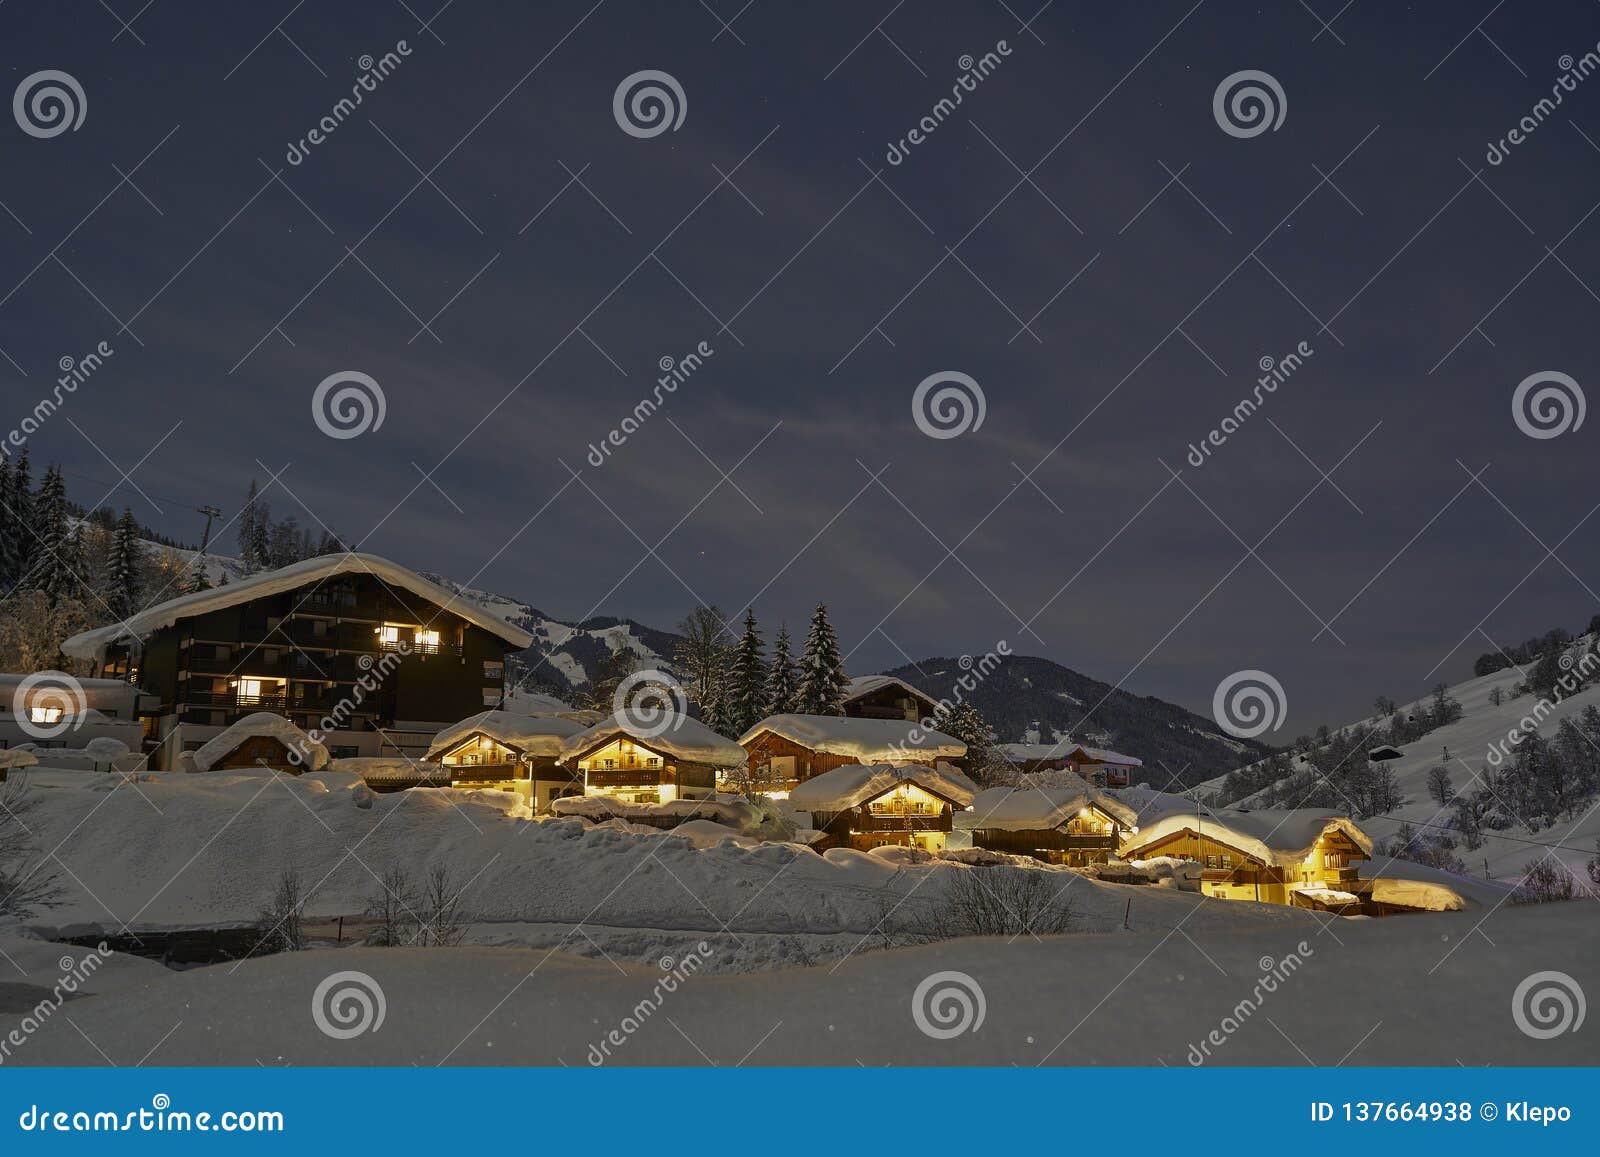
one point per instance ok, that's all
(484, 772)
(232, 701)
(630, 775)
(904, 822)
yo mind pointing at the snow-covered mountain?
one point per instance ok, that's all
(1505, 854)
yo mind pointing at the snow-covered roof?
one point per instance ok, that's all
(854, 784)
(313, 756)
(1076, 752)
(1040, 808)
(91, 645)
(736, 813)
(1276, 838)
(540, 735)
(15, 757)
(393, 769)
(867, 684)
(687, 739)
(864, 740)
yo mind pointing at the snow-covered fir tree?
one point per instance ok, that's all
(194, 576)
(123, 567)
(782, 678)
(822, 678)
(52, 570)
(964, 722)
(18, 547)
(747, 691)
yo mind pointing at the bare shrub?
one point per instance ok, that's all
(1544, 882)
(443, 922)
(394, 909)
(27, 885)
(998, 901)
(280, 926)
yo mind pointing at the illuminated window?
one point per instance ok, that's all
(249, 690)
(428, 639)
(44, 714)
(389, 636)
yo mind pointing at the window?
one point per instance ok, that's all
(44, 714)
(389, 636)
(427, 640)
(1211, 861)
(249, 691)
(494, 670)
(1227, 861)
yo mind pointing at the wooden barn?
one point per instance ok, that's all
(864, 807)
(618, 757)
(1074, 826)
(1304, 858)
(786, 750)
(262, 740)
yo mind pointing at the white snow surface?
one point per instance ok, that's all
(262, 723)
(1039, 809)
(91, 645)
(854, 784)
(539, 735)
(1278, 838)
(12, 757)
(1388, 992)
(686, 739)
(864, 740)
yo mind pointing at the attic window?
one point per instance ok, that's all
(44, 714)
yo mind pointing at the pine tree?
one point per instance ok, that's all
(822, 678)
(19, 503)
(194, 577)
(748, 677)
(255, 532)
(962, 721)
(781, 676)
(122, 576)
(52, 568)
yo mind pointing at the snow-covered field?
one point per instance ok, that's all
(1431, 990)
(1506, 853)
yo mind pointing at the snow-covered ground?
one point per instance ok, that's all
(1433, 990)
(1506, 854)
(166, 851)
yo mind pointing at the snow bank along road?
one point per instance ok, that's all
(1409, 990)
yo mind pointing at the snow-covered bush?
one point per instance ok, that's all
(997, 902)
(27, 886)
(279, 926)
(1545, 882)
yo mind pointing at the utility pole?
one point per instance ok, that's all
(210, 512)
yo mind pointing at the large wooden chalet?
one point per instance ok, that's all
(509, 752)
(620, 758)
(373, 657)
(1074, 826)
(1306, 858)
(786, 750)
(863, 807)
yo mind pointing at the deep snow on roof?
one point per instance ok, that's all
(1279, 838)
(1025, 809)
(313, 756)
(687, 739)
(540, 735)
(867, 684)
(1026, 752)
(864, 740)
(91, 645)
(855, 784)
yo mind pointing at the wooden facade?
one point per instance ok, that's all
(1232, 874)
(893, 700)
(906, 815)
(259, 751)
(631, 769)
(1077, 842)
(780, 764)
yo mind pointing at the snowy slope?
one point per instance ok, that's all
(1468, 740)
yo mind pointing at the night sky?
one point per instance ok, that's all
(1081, 237)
